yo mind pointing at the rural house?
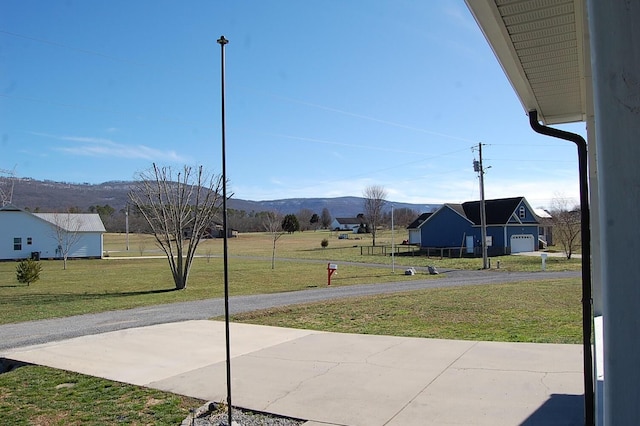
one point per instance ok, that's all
(352, 224)
(512, 227)
(24, 234)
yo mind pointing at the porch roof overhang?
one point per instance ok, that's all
(543, 48)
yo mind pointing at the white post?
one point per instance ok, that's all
(616, 89)
(126, 220)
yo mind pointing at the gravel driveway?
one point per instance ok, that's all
(43, 331)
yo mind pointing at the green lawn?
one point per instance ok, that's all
(89, 286)
(306, 245)
(538, 311)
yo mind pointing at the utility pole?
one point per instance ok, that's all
(477, 167)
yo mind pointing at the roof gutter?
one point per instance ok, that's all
(587, 301)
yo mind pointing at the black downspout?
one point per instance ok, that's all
(587, 301)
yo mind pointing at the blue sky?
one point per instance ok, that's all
(322, 98)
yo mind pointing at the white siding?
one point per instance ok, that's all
(25, 226)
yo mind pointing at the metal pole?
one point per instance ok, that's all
(393, 247)
(126, 217)
(222, 41)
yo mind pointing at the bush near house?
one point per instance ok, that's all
(28, 271)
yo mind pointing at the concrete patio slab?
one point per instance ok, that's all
(334, 378)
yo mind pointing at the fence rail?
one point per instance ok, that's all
(386, 250)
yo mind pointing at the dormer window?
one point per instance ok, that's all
(522, 212)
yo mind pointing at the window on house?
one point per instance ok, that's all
(29, 241)
(523, 212)
(17, 243)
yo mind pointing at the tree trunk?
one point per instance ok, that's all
(273, 255)
(181, 284)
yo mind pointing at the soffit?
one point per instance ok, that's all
(542, 48)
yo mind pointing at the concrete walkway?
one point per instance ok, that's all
(337, 379)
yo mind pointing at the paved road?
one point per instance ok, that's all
(43, 331)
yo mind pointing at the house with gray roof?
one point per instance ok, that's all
(24, 234)
(352, 224)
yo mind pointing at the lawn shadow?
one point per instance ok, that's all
(7, 365)
(43, 298)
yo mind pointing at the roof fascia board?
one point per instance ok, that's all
(584, 55)
(528, 207)
(488, 18)
(515, 216)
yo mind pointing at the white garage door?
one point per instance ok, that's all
(520, 243)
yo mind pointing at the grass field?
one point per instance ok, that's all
(306, 245)
(133, 280)
(540, 311)
(99, 285)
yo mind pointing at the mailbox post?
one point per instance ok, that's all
(331, 268)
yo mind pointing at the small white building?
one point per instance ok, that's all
(24, 234)
(352, 224)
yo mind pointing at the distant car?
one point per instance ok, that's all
(343, 236)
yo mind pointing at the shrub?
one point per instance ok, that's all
(28, 271)
(324, 243)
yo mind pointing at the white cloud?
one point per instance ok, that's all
(102, 147)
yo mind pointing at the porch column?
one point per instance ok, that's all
(615, 57)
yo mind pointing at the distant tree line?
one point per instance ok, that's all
(240, 220)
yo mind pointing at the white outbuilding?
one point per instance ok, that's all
(47, 235)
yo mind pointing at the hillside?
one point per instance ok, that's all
(50, 196)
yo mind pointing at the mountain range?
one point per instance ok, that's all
(51, 196)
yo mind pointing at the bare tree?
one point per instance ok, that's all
(66, 231)
(304, 219)
(402, 217)
(178, 206)
(566, 225)
(272, 223)
(6, 186)
(325, 218)
(374, 201)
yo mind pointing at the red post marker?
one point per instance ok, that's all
(331, 268)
